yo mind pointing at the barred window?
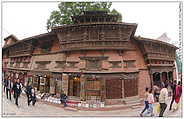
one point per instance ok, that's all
(93, 64)
(115, 64)
(129, 64)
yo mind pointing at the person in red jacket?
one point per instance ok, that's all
(178, 92)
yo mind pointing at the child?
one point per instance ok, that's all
(150, 103)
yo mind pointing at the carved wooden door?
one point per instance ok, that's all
(93, 89)
(131, 87)
(76, 88)
(113, 88)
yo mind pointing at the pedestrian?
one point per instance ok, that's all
(150, 103)
(8, 88)
(17, 91)
(156, 90)
(145, 101)
(63, 98)
(28, 93)
(163, 100)
(5, 83)
(178, 94)
(173, 88)
(33, 96)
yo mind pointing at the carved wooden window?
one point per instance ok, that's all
(129, 64)
(72, 64)
(11, 64)
(42, 64)
(5, 64)
(115, 64)
(17, 64)
(93, 64)
(60, 64)
(25, 64)
(93, 35)
(46, 46)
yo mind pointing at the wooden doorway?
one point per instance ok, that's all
(93, 89)
(113, 88)
(130, 87)
(74, 86)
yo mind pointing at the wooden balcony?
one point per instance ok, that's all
(96, 45)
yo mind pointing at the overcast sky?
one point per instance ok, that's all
(25, 19)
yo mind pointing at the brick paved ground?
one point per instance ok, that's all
(42, 109)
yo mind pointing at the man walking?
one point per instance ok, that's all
(5, 83)
(33, 96)
(17, 90)
(28, 93)
(163, 100)
(8, 88)
(173, 87)
(145, 102)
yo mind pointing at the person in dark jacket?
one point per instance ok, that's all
(8, 88)
(17, 90)
(173, 87)
(63, 98)
(28, 93)
(33, 96)
(4, 83)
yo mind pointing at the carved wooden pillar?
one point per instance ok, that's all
(151, 80)
(120, 34)
(168, 76)
(161, 76)
(103, 91)
(102, 33)
(65, 83)
(82, 90)
(85, 35)
(123, 89)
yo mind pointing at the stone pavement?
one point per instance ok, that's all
(42, 109)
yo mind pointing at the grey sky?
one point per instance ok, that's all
(25, 19)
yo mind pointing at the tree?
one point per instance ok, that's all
(179, 63)
(68, 9)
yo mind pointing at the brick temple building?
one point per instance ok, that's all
(96, 57)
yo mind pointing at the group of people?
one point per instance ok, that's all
(161, 96)
(14, 87)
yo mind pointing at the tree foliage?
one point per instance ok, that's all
(68, 9)
(178, 62)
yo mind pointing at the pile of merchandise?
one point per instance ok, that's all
(52, 100)
(92, 104)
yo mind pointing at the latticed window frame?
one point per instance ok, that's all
(129, 64)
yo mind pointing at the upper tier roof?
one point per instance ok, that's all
(94, 16)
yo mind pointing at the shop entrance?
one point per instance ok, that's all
(74, 86)
(156, 79)
(42, 83)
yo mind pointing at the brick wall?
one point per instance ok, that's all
(55, 46)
